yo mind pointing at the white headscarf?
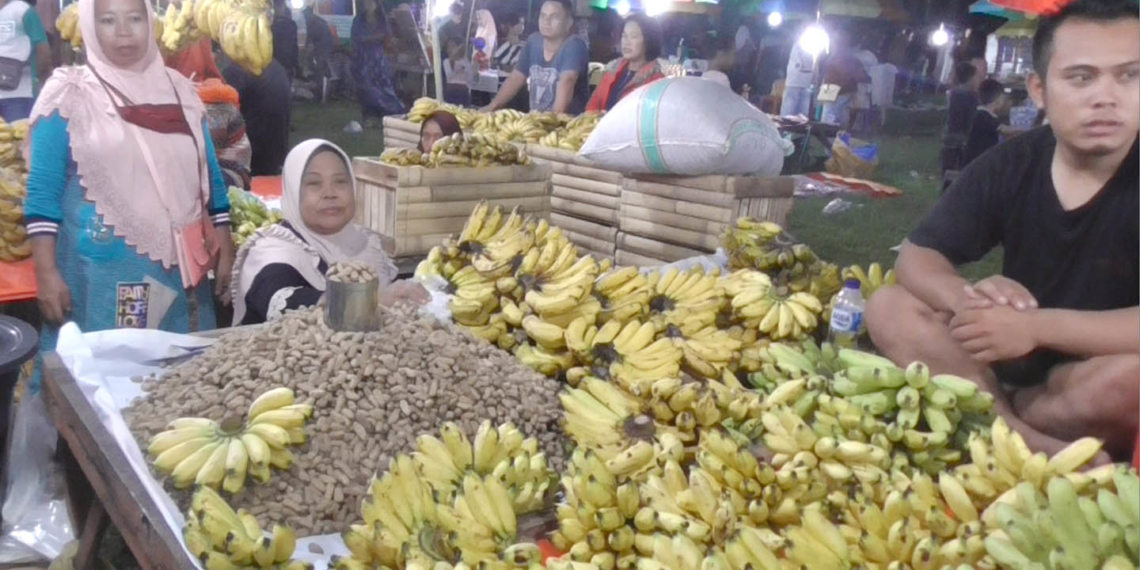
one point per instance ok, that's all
(743, 37)
(276, 244)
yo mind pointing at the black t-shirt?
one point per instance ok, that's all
(1083, 259)
(983, 135)
(265, 105)
(960, 112)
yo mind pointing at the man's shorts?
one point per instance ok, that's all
(1030, 370)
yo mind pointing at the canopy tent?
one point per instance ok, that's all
(1034, 7)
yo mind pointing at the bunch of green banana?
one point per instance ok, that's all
(820, 279)
(249, 214)
(1062, 529)
(403, 157)
(684, 297)
(201, 451)
(499, 452)
(227, 540)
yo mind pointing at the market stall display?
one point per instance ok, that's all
(416, 208)
(14, 244)
(249, 214)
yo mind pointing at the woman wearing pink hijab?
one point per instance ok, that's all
(126, 206)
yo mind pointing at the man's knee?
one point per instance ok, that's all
(1098, 397)
(891, 311)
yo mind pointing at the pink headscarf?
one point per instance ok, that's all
(111, 155)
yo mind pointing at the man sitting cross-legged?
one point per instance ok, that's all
(1055, 336)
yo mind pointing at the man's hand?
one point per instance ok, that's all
(995, 333)
(1001, 290)
(53, 296)
(406, 292)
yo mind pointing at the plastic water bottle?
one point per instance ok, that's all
(847, 316)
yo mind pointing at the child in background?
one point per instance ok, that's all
(987, 127)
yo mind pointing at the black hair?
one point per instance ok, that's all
(651, 31)
(566, 5)
(326, 148)
(989, 91)
(964, 71)
(508, 20)
(1100, 11)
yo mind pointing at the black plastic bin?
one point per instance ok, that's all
(18, 344)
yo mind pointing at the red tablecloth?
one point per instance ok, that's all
(266, 187)
(17, 281)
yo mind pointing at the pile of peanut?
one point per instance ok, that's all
(352, 272)
(373, 394)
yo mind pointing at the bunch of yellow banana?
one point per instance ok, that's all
(624, 295)
(499, 452)
(707, 350)
(871, 279)
(226, 540)
(555, 280)
(243, 32)
(626, 354)
(422, 107)
(693, 506)
(68, 25)
(565, 139)
(599, 415)
(1062, 529)
(690, 296)
(523, 129)
(548, 362)
(179, 27)
(999, 465)
(758, 244)
(473, 149)
(219, 455)
(777, 312)
(474, 297)
(596, 511)
(402, 157)
(14, 244)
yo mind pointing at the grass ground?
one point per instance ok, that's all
(862, 234)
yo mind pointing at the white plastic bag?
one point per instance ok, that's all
(687, 126)
(35, 508)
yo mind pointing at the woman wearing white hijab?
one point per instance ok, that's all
(126, 206)
(283, 266)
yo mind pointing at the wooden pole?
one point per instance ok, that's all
(436, 57)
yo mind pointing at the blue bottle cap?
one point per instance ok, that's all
(853, 284)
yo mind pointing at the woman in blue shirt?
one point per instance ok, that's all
(126, 206)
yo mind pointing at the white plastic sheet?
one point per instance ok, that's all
(103, 364)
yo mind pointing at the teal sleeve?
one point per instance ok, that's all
(34, 27)
(219, 192)
(47, 175)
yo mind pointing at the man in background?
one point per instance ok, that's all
(962, 104)
(988, 128)
(798, 82)
(846, 71)
(319, 42)
(555, 62)
(285, 43)
(22, 39)
(266, 106)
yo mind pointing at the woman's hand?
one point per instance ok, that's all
(224, 270)
(404, 292)
(53, 296)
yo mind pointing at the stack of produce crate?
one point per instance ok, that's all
(584, 199)
(400, 133)
(415, 208)
(664, 219)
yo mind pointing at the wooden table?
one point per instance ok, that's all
(101, 486)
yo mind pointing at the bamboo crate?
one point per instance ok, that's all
(578, 188)
(691, 212)
(659, 251)
(590, 237)
(401, 133)
(415, 208)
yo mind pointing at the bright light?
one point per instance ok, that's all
(622, 8)
(940, 37)
(815, 40)
(775, 19)
(443, 8)
(296, 4)
(656, 7)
